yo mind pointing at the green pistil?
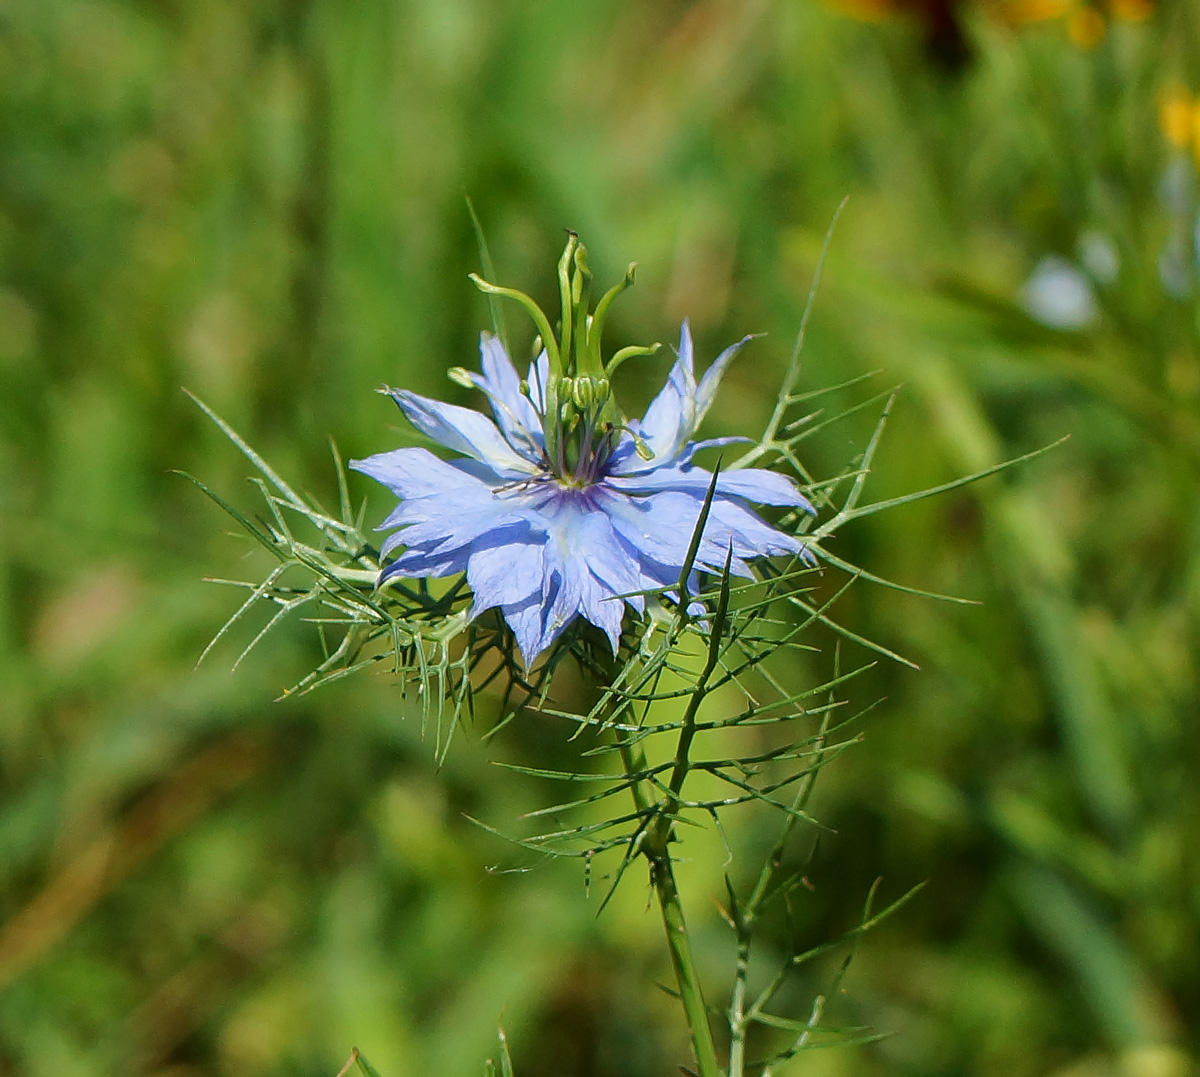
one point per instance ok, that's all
(579, 437)
(578, 396)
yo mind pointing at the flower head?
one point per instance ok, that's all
(555, 509)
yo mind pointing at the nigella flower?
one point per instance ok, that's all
(554, 512)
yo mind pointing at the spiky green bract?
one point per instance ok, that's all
(324, 573)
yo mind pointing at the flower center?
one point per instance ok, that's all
(581, 423)
(584, 435)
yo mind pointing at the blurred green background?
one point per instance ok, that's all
(263, 201)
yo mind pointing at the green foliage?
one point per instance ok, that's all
(263, 202)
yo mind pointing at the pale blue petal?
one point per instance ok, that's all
(483, 472)
(753, 484)
(679, 408)
(693, 447)
(612, 561)
(670, 419)
(599, 607)
(538, 623)
(503, 381)
(390, 543)
(732, 522)
(667, 423)
(560, 597)
(651, 530)
(610, 571)
(515, 415)
(584, 566)
(462, 430)
(525, 621)
(626, 462)
(416, 564)
(444, 489)
(707, 389)
(661, 526)
(411, 472)
(687, 362)
(442, 524)
(505, 574)
(565, 559)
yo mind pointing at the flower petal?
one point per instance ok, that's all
(693, 447)
(505, 569)
(599, 607)
(444, 522)
(464, 431)
(660, 528)
(680, 407)
(732, 524)
(614, 563)
(515, 414)
(707, 389)
(753, 484)
(560, 595)
(670, 419)
(416, 564)
(610, 571)
(525, 621)
(412, 472)
(538, 622)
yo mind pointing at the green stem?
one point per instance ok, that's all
(656, 847)
(737, 1005)
(683, 963)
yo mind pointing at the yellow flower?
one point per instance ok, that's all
(1179, 119)
(1023, 11)
(864, 10)
(1086, 21)
(1085, 27)
(1177, 116)
(1131, 10)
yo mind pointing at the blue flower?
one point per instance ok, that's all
(553, 517)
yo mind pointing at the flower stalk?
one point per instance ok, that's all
(656, 849)
(684, 964)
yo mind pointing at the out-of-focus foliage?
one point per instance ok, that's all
(264, 201)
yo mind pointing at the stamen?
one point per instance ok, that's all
(521, 485)
(584, 471)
